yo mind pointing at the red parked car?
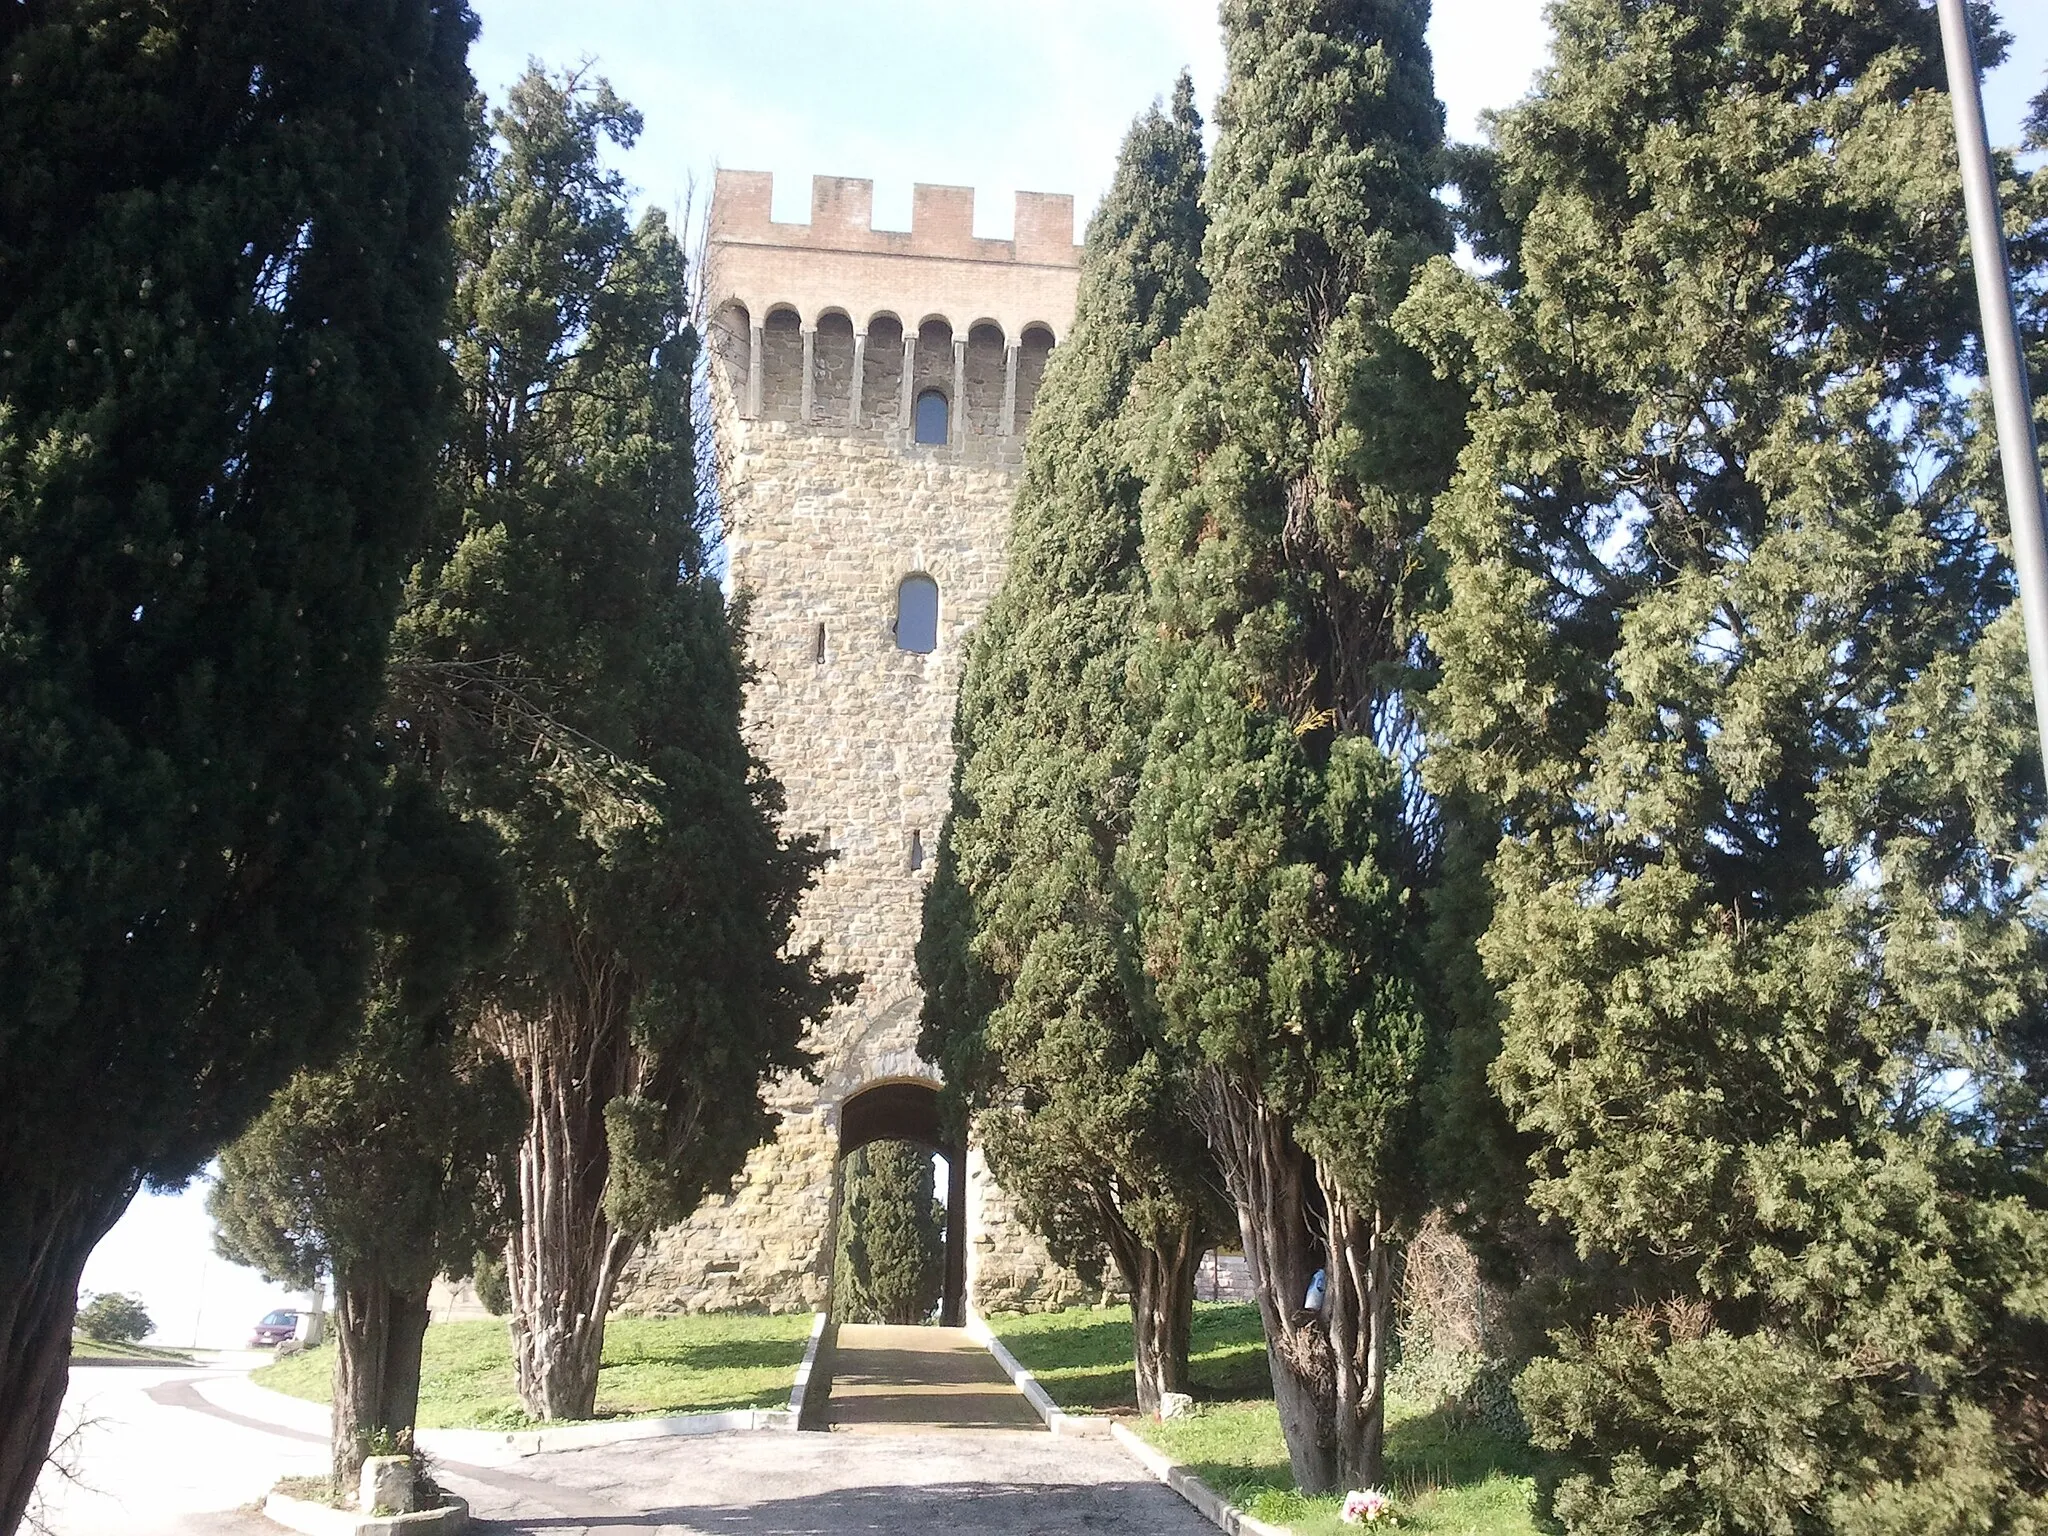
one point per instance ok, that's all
(275, 1328)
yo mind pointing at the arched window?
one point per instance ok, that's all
(917, 613)
(932, 417)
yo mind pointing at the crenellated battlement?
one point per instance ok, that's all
(842, 328)
(941, 222)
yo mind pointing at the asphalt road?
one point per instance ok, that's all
(145, 1462)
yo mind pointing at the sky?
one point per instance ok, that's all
(1029, 94)
(1032, 94)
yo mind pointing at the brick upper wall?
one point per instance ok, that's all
(937, 269)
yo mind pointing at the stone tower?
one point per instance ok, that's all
(869, 391)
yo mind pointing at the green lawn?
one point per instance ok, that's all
(89, 1350)
(652, 1366)
(1456, 1479)
(1082, 1356)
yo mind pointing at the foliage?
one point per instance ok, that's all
(390, 1166)
(1728, 653)
(1279, 846)
(223, 274)
(1033, 992)
(651, 1366)
(393, 1164)
(891, 1264)
(493, 1289)
(114, 1317)
(570, 673)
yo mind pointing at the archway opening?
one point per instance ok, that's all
(899, 1239)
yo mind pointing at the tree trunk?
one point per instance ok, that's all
(1267, 1176)
(1359, 1315)
(564, 1259)
(1160, 1280)
(378, 1332)
(46, 1234)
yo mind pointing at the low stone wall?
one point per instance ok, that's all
(1223, 1277)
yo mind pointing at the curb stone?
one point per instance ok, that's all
(323, 1520)
(1207, 1502)
(801, 1388)
(1057, 1419)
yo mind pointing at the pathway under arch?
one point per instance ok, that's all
(907, 1109)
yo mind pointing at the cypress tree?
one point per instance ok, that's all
(1728, 650)
(1033, 995)
(393, 1164)
(891, 1264)
(570, 673)
(223, 273)
(1280, 846)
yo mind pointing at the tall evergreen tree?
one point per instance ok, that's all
(223, 272)
(394, 1163)
(1033, 993)
(891, 1264)
(572, 675)
(1280, 845)
(1728, 649)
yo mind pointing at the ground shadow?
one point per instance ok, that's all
(725, 1355)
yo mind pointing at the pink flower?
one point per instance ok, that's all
(1367, 1506)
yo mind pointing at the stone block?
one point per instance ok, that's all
(388, 1486)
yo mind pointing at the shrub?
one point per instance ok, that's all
(493, 1287)
(114, 1317)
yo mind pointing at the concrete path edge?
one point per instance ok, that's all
(312, 1519)
(1057, 1419)
(1207, 1502)
(802, 1386)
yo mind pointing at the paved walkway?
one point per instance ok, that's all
(174, 1452)
(892, 1379)
(769, 1483)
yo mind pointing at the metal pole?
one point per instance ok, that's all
(2003, 360)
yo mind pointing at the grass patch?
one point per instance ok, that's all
(1457, 1479)
(1452, 1478)
(90, 1350)
(651, 1366)
(1082, 1355)
(313, 1490)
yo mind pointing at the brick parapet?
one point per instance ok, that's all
(937, 270)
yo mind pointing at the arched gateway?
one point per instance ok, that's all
(907, 1109)
(870, 391)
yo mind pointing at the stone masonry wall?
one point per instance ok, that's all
(824, 520)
